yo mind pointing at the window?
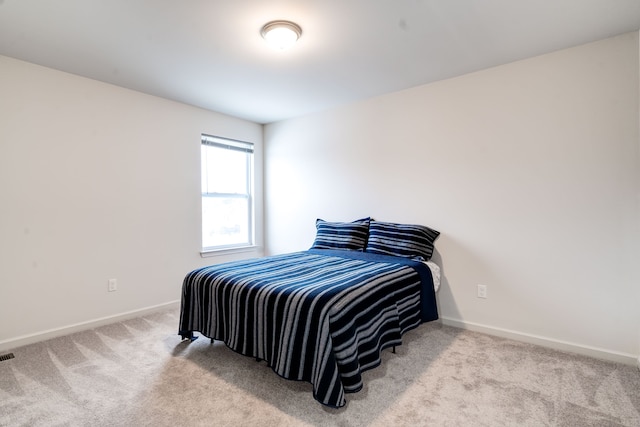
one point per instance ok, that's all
(227, 184)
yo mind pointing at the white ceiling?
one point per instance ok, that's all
(209, 53)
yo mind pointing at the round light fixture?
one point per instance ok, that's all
(281, 34)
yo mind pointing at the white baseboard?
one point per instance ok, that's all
(613, 356)
(83, 326)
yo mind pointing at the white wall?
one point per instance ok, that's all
(530, 170)
(96, 182)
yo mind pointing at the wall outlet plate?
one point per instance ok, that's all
(482, 291)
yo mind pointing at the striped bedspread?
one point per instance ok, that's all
(320, 316)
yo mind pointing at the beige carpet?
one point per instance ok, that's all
(139, 373)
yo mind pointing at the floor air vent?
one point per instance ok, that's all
(4, 357)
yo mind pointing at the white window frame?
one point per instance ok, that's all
(236, 145)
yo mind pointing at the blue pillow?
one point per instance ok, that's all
(405, 240)
(341, 235)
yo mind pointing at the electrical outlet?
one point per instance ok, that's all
(482, 291)
(113, 285)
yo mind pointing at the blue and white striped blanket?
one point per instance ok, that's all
(320, 316)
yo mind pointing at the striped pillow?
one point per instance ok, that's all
(341, 235)
(405, 240)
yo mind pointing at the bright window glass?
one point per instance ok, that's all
(227, 208)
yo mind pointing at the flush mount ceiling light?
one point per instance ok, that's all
(281, 34)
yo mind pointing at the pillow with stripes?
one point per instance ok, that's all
(341, 235)
(405, 240)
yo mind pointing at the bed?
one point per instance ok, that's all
(322, 315)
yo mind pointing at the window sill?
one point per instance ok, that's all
(237, 250)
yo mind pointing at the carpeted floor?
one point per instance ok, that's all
(139, 373)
